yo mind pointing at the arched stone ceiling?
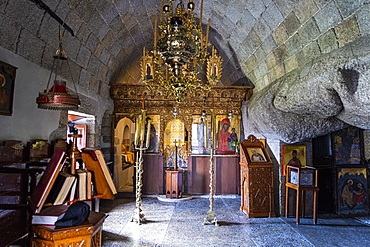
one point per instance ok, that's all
(265, 42)
(110, 34)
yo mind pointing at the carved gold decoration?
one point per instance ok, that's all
(214, 65)
(128, 101)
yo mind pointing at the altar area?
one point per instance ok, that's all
(180, 139)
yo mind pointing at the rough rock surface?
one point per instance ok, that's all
(317, 99)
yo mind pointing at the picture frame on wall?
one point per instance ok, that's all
(7, 80)
(290, 153)
(347, 146)
(352, 194)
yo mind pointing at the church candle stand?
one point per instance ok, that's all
(140, 145)
(210, 217)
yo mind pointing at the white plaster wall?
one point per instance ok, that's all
(27, 121)
(122, 178)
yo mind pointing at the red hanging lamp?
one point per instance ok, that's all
(58, 96)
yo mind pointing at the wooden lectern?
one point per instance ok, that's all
(174, 183)
(257, 183)
(301, 179)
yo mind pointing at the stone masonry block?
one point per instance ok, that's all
(281, 53)
(256, 8)
(348, 7)
(262, 29)
(279, 70)
(84, 33)
(294, 44)
(83, 57)
(94, 64)
(86, 9)
(363, 19)
(309, 31)
(260, 54)
(250, 63)
(104, 56)
(94, 84)
(328, 41)
(305, 9)
(269, 45)
(272, 16)
(30, 46)
(84, 78)
(328, 17)
(311, 51)
(109, 39)
(9, 33)
(280, 35)
(291, 24)
(104, 90)
(347, 31)
(271, 61)
(103, 69)
(291, 64)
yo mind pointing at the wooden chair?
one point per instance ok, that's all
(15, 215)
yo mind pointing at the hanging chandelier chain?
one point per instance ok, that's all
(180, 53)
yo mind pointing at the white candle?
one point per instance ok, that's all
(148, 134)
(142, 126)
(137, 129)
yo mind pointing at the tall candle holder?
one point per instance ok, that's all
(211, 216)
(140, 144)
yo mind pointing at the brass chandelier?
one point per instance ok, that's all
(180, 52)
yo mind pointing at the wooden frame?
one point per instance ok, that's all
(254, 147)
(7, 79)
(286, 156)
(224, 142)
(256, 154)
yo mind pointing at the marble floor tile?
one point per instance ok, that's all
(180, 223)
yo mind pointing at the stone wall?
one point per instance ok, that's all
(302, 32)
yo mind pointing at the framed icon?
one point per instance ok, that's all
(7, 79)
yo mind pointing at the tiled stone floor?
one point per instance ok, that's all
(181, 224)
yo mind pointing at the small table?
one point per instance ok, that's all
(174, 183)
(86, 234)
(302, 180)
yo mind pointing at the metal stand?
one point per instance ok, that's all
(210, 217)
(138, 216)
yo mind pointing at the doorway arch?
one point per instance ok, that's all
(124, 134)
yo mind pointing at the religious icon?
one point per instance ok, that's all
(148, 71)
(7, 77)
(352, 192)
(256, 154)
(223, 137)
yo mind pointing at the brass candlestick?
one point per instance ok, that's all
(210, 217)
(140, 145)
